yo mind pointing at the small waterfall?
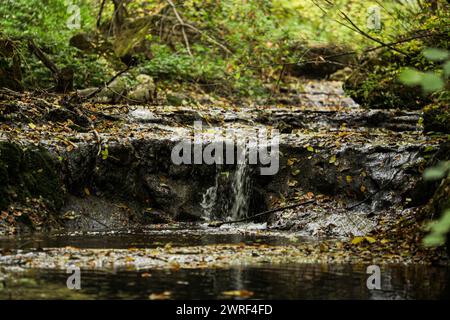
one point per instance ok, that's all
(241, 190)
(209, 199)
(229, 197)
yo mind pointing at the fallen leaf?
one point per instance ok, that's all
(239, 293)
(357, 240)
(160, 296)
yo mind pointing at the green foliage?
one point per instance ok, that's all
(45, 22)
(437, 172)
(430, 81)
(438, 230)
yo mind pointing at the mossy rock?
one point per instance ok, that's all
(28, 173)
(436, 118)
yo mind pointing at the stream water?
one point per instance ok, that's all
(286, 281)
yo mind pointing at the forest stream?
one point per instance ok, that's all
(355, 170)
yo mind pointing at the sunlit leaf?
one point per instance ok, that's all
(447, 69)
(431, 82)
(410, 77)
(434, 173)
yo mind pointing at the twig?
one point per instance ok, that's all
(217, 224)
(186, 40)
(99, 17)
(358, 29)
(93, 94)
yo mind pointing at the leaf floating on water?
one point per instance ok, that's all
(238, 293)
(160, 296)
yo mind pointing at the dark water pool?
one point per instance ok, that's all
(310, 281)
(298, 281)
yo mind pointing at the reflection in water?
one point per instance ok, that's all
(272, 282)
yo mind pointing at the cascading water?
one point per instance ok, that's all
(241, 190)
(229, 197)
(209, 199)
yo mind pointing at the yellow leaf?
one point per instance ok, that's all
(310, 149)
(292, 183)
(357, 240)
(296, 172)
(349, 179)
(370, 239)
(32, 125)
(160, 296)
(238, 293)
(363, 189)
(87, 192)
(384, 241)
(332, 159)
(291, 161)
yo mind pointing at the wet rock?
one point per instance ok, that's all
(28, 172)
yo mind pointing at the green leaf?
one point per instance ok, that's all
(410, 77)
(332, 159)
(447, 69)
(433, 240)
(432, 82)
(433, 173)
(435, 54)
(438, 230)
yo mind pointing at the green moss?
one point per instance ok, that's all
(28, 173)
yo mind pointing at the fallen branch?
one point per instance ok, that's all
(217, 224)
(63, 77)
